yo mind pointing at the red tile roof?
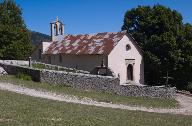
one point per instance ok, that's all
(100, 43)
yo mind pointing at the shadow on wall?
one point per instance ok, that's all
(104, 71)
(142, 76)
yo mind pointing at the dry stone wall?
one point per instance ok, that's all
(146, 91)
(79, 80)
(15, 69)
(2, 71)
(91, 82)
(105, 84)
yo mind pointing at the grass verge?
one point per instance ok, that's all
(38, 66)
(98, 96)
(21, 110)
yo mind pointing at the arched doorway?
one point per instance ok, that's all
(130, 72)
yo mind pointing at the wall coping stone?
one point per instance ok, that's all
(73, 73)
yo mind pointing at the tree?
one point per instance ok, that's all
(14, 37)
(166, 42)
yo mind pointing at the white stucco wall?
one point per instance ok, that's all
(15, 62)
(117, 60)
(58, 38)
(45, 45)
(81, 62)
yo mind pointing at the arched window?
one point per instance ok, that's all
(130, 72)
(55, 30)
(60, 29)
(128, 47)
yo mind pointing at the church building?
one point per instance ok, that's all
(118, 52)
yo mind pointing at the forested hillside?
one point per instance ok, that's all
(37, 37)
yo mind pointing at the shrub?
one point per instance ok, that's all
(23, 76)
(189, 87)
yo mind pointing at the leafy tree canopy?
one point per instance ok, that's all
(166, 41)
(14, 36)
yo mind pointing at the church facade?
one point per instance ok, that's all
(116, 51)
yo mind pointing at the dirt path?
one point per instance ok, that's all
(185, 101)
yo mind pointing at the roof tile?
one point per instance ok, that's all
(100, 43)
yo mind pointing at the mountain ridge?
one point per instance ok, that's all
(37, 37)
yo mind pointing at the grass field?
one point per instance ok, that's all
(21, 110)
(99, 96)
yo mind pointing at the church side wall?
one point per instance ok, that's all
(117, 60)
(81, 62)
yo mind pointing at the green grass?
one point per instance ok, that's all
(99, 96)
(23, 76)
(38, 66)
(21, 110)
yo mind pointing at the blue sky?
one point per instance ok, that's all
(89, 16)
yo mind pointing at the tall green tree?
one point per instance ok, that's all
(15, 40)
(166, 42)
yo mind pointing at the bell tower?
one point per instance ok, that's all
(57, 30)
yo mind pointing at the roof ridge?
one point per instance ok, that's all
(96, 33)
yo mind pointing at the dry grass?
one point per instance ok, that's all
(21, 110)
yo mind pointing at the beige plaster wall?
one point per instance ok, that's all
(81, 62)
(117, 60)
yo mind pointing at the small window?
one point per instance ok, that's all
(55, 30)
(60, 58)
(128, 47)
